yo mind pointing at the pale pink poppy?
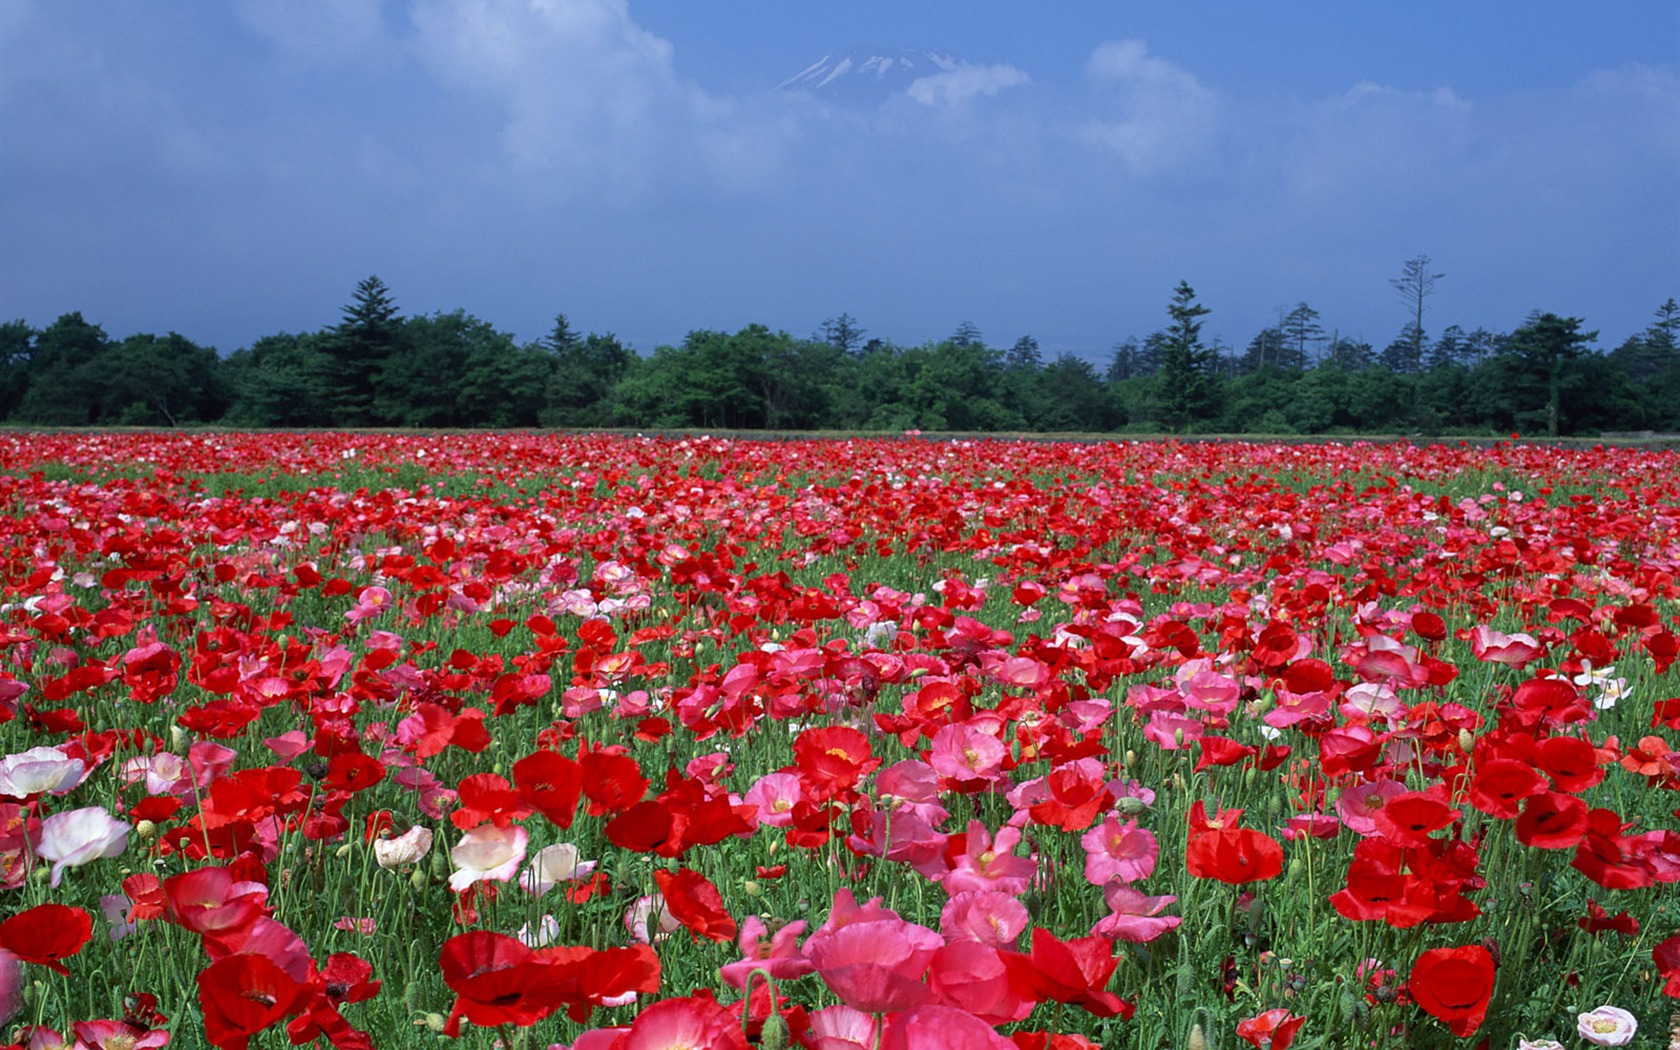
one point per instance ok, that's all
(403, 850)
(40, 771)
(1359, 804)
(164, 773)
(553, 865)
(1512, 650)
(1134, 915)
(80, 836)
(648, 921)
(1607, 1026)
(1369, 700)
(487, 852)
(842, 1028)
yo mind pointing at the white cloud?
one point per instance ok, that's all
(592, 101)
(1165, 117)
(959, 84)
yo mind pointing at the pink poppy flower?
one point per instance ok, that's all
(1115, 850)
(775, 795)
(966, 754)
(986, 916)
(973, 977)
(989, 863)
(407, 848)
(936, 1027)
(1512, 650)
(781, 958)
(875, 965)
(117, 1035)
(648, 920)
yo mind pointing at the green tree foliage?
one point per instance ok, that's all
(1302, 335)
(586, 369)
(150, 381)
(843, 333)
(367, 339)
(1651, 361)
(1414, 285)
(1074, 398)
(455, 370)
(1547, 350)
(276, 382)
(63, 373)
(17, 344)
(1188, 383)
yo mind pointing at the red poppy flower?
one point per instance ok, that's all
(47, 933)
(833, 759)
(1429, 625)
(1234, 855)
(1220, 751)
(487, 797)
(1454, 985)
(611, 780)
(1272, 1030)
(696, 903)
(243, 994)
(1609, 858)
(1552, 820)
(1075, 972)
(550, 783)
(1277, 645)
(1500, 786)
(204, 901)
(353, 771)
(1597, 920)
(1409, 818)
(1571, 762)
(1551, 699)
(496, 981)
(1666, 955)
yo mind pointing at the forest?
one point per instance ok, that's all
(378, 368)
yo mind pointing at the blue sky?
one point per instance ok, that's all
(231, 170)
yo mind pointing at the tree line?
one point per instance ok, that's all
(378, 368)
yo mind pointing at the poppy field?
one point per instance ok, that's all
(614, 743)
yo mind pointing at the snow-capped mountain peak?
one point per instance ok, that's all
(868, 76)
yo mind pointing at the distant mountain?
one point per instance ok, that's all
(868, 76)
